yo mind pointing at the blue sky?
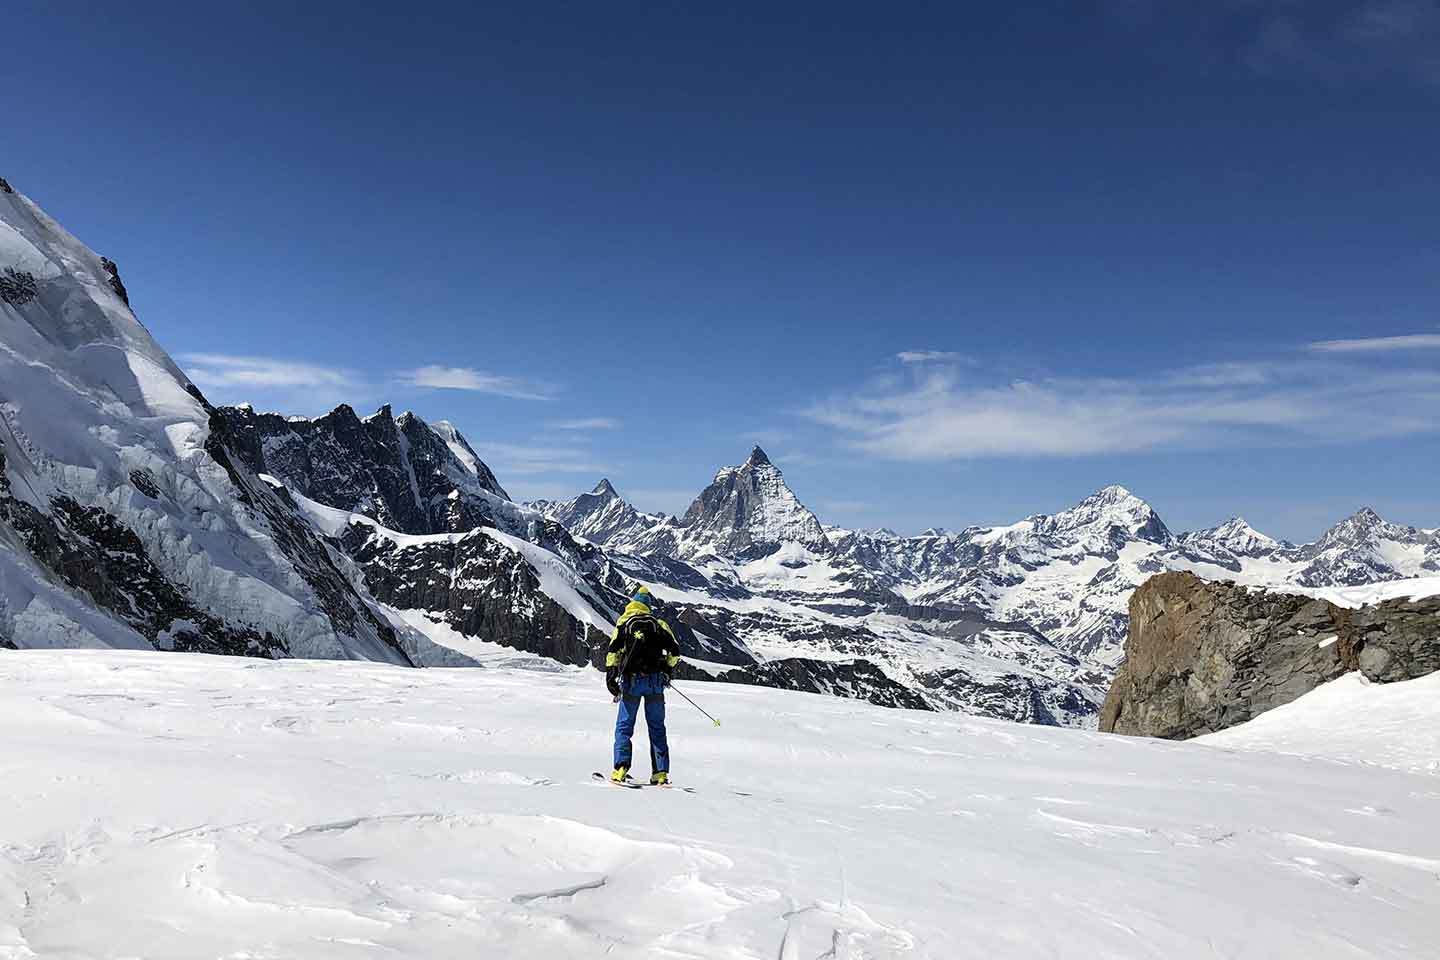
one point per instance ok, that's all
(948, 263)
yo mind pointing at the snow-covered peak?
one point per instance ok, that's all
(600, 516)
(1112, 511)
(1365, 526)
(748, 506)
(1365, 548)
(1236, 537)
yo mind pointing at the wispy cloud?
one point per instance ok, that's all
(587, 423)
(507, 458)
(926, 356)
(276, 383)
(1348, 42)
(231, 370)
(938, 415)
(1336, 42)
(478, 381)
(1412, 341)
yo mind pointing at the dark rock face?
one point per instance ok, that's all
(112, 274)
(295, 538)
(400, 472)
(5, 186)
(1202, 656)
(17, 287)
(477, 586)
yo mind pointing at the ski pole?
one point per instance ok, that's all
(693, 703)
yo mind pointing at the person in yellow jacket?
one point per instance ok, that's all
(641, 659)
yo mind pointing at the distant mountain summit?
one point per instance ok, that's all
(748, 507)
(1234, 538)
(599, 516)
(1364, 548)
(1111, 514)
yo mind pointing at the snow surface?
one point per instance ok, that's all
(1396, 725)
(1417, 588)
(182, 806)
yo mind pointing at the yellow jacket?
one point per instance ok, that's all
(653, 647)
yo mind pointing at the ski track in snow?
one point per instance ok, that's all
(181, 806)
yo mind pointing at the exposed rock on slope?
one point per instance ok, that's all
(1202, 656)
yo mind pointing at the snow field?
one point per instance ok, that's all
(169, 806)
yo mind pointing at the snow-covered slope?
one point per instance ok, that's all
(1353, 720)
(124, 519)
(300, 809)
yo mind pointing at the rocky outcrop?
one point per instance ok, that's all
(112, 274)
(1202, 656)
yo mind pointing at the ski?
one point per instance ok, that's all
(605, 777)
(638, 785)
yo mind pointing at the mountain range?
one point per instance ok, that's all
(135, 514)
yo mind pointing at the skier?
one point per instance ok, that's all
(642, 657)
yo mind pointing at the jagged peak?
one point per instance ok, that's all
(1365, 522)
(757, 457)
(605, 489)
(384, 413)
(342, 411)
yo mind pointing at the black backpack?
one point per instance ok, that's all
(643, 638)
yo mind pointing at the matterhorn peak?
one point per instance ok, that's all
(605, 489)
(750, 505)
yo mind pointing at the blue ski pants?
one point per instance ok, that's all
(650, 688)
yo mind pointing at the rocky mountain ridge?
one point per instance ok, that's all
(1205, 655)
